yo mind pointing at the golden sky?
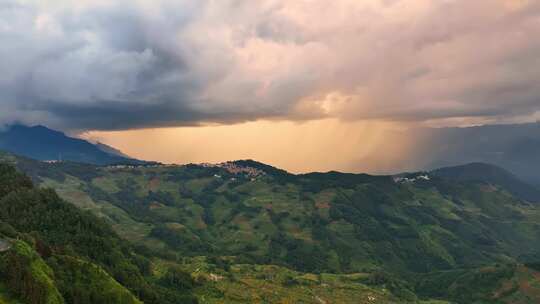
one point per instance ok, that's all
(302, 84)
(321, 145)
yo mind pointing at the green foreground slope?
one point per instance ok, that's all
(60, 254)
(394, 237)
(27, 275)
(315, 223)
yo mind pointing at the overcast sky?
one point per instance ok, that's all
(87, 65)
(288, 68)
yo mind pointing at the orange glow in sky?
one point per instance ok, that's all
(321, 145)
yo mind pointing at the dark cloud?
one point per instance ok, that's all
(114, 115)
(135, 64)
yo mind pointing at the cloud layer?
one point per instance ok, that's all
(111, 65)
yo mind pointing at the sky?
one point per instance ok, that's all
(318, 145)
(302, 84)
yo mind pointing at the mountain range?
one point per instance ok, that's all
(42, 143)
(99, 226)
(465, 234)
(481, 172)
(514, 147)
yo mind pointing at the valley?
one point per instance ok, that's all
(253, 233)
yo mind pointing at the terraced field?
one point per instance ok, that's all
(309, 238)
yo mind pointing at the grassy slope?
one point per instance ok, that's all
(441, 225)
(246, 217)
(71, 271)
(60, 253)
(512, 284)
(24, 267)
(243, 283)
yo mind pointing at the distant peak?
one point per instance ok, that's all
(42, 143)
(19, 126)
(492, 174)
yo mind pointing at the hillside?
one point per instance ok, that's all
(52, 252)
(246, 228)
(514, 147)
(57, 253)
(41, 143)
(315, 222)
(479, 172)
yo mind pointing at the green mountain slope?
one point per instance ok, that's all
(52, 252)
(27, 275)
(388, 233)
(479, 172)
(514, 284)
(317, 222)
(57, 253)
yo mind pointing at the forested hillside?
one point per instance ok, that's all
(329, 222)
(60, 254)
(245, 230)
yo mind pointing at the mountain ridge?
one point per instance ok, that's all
(513, 147)
(493, 174)
(229, 223)
(41, 143)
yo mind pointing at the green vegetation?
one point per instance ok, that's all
(60, 254)
(490, 284)
(84, 282)
(28, 276)
(274, 237)
(242, 283)
(478, 172)
(5, 297)
(312, 223)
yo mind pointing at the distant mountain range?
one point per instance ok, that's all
(42, 143)
(480, 172)
(515, 148)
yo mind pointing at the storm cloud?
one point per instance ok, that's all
(113, 65)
